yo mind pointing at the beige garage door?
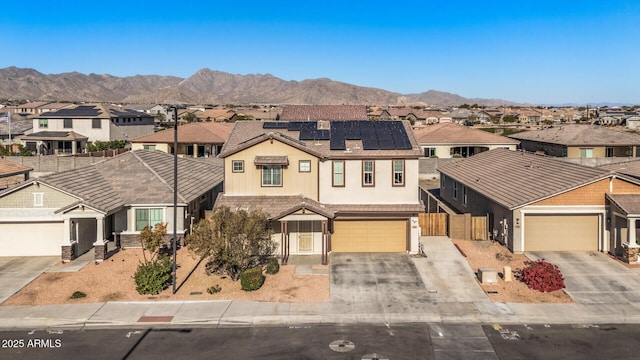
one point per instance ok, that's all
(369, 236)
(561, 233)
(31, 239)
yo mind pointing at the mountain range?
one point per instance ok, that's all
(207, 86)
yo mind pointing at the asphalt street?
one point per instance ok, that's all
(420, 341)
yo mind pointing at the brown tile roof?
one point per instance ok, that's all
(215, 114)
(629, 203)
(249, 133)
(54, 135)
(631, 168)
(450, 133)
(9, 168)
(399, 111)
(193, 133)
(276, 207)
(323, 112)
(271, 160)
(136, 177)
(580, 135)
(515, 179)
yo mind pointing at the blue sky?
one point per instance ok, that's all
(543, 52)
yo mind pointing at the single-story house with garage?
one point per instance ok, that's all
(105, 205)
(538, 203)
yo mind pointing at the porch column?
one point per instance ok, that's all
(195, 150)
(285, 242)
(324, 243)
(67, 246)
(631, 233)
(100, 246)
(74, 147)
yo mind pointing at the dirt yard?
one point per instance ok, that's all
(487, 254)
(112, 280)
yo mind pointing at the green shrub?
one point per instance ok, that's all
(153, 277)
(214, 289)
(252, 279)
(77, 295)
(272, 266)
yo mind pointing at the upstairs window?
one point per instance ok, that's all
(38, 199)
(43, 123)
(338, 173)
(304, 166)
(271, 175)
(149, 147)
(368, 167)
(429, 152)
(586, 153)
(237, 166)
(67, 123)
(96, 123)
(398, 172)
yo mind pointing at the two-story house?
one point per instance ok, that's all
(327, 186)
(67, 131)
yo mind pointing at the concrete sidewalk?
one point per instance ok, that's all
(236, 313)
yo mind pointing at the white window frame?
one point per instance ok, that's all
(304, 166)
(395, 172)
(338, 171)
(269, 173)
(149, 220)
(38, 199)
(372, 173)
(239, 169)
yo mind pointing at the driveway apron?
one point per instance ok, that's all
(383, 278)
(593, 277)
(18, 271)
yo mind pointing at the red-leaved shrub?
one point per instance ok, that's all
(541, 275)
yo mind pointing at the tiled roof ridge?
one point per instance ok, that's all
(144, 163)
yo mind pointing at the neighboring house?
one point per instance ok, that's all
(580, 141)
(215, 115)
(104, 205)
(323, 112)
(30, 108)
(12, 173)
(67, 130)
(397, 114)
(538, 203)
(447, 140)
(19, 126)
(53, 107)
(194, 140)
(328, 186)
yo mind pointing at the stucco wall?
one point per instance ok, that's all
(249, 182)
(382, 193)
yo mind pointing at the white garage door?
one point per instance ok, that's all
(561, 232)
(369, 236)
(31, 239)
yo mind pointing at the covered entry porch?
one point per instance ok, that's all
(623, 224)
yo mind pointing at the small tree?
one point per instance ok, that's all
(154, 274)
(234, 241)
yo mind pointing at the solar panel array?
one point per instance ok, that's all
(84, 110)
(375, 135)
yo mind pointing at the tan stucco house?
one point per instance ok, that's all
(448, 140)
(198, 139)
(538, 203)
(105, 205)
(327, 186)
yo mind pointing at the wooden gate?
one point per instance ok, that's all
(479, 228)
(433, 224)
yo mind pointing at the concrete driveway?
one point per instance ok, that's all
(17, 272)
(593, 277)
(383, 278)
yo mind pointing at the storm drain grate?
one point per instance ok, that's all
(342, 345)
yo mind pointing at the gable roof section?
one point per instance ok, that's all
(323, 112)
(275, 207)
(580, 135)
(450, 133)
(9, 168)
(514, 179)
(629, 203)
(193, 133)
(631, 168)
(397, 138)
(136, 177)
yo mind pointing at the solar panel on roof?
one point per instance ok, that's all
(295, 125)
(368, 135)
(400, 137)
(352, 129)
(275, 125)
(384, 136)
